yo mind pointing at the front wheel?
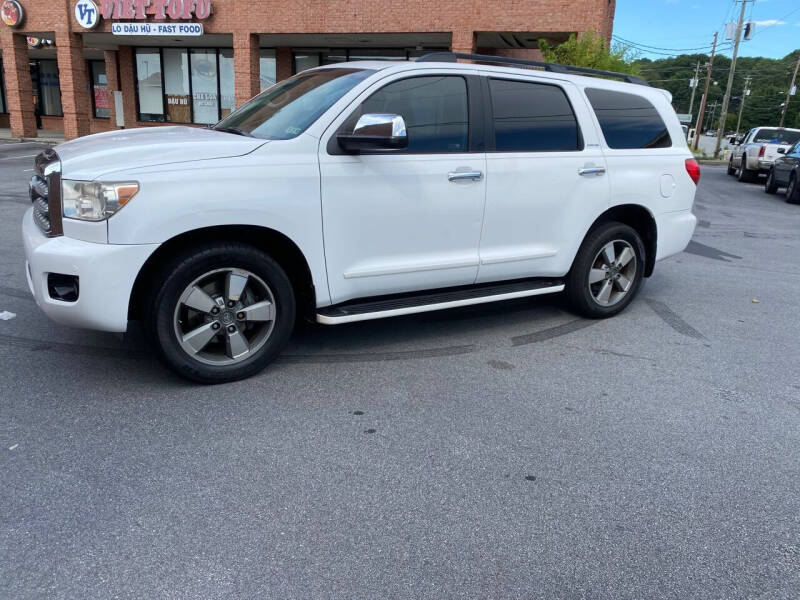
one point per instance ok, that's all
(731, 168)
(220, 312)
(607, 272)
(771, 185)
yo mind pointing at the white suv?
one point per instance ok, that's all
(358, 191)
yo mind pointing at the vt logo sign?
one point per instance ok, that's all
(86, 14)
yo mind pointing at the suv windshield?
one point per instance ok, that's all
(289, 108)
(777, 136)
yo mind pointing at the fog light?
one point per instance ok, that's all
(62, 287)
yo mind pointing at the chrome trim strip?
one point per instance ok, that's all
(410, 269)
(325, 320)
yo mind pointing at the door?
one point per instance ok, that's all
(404, 220)
(545, 177)
(36, 87)
(785, 163)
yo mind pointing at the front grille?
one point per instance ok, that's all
(45, 193)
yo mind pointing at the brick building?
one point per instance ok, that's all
(83, 66)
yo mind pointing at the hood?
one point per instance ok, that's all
(90, 157)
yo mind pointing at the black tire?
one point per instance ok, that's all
(731, 168)
(578, 291)
(744, 174)
(771, 185)
(793, 190)
(173, 279)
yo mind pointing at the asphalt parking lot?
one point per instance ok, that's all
(505, 451)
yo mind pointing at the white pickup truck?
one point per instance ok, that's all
(755, 153)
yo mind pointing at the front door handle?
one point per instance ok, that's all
(597, 171)
(460, 175)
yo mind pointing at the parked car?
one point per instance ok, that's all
(755, 153)
(785, 172)
(358, 191)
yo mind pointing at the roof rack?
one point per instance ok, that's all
(546, 66)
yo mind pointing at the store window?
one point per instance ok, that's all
(3, 106)
(49, 89)
(181, 85)
(267, 69)
(101, 101)
(308, 59)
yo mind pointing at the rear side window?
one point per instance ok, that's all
(433, 107)
(628, 120)
(532, 117)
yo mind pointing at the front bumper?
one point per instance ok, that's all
(675, 230)
(106, 273)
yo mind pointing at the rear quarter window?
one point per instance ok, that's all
(628, 121)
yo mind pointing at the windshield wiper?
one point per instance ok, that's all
(234, 130)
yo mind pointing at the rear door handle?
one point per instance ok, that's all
(460, 175)
(597, 171)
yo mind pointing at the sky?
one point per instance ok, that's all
(672, 27)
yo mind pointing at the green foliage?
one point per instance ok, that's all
(769, 81)
(591, 50)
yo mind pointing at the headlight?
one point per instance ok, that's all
(94, 200)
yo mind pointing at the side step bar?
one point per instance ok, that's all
(417, 302)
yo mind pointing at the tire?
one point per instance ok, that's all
(240, 287)
(731, 168)
(585, 297)
(745, 175)
(771, 185)
(793, 190)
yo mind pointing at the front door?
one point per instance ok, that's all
(399, 221)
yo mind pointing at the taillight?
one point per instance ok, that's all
(693, 169)
(762, 151)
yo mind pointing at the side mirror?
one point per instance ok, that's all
(375, 131)
(782, 150)
(732, 140)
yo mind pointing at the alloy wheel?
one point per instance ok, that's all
(224, 316)
(613, 273)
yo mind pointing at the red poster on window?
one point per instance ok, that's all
(101, 97)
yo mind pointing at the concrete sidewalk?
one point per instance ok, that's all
(44, 136)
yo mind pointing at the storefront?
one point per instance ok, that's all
(132, 63)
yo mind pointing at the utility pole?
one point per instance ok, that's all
(709, 66)
(727, 95)
(694, 85)
(713, 112)
(745, 92)
(789, 93)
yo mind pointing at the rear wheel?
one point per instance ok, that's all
(607, 272)
(771, 185)
(745, 175)
(221, 312)
(793, 190)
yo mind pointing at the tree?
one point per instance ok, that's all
(590, 50)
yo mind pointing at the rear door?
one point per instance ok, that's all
(546, 178)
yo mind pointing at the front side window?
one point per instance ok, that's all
(434, 108)
(287, 109)
(628, 121)
(532, 117)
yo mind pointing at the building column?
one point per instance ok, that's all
(246, 77)
(75, 101)
(112, 85)
(19, 89)
(283, 63)
(127, 84)
(463, 41)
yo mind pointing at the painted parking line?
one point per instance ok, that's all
(18, 157)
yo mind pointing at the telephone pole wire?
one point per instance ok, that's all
(709, 66)
(745, 91)
(694, 85)
(789, 93)
(727, 96)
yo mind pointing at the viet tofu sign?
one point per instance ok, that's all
(158, 9)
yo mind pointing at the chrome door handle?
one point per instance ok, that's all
(459, 175)
(592, 171)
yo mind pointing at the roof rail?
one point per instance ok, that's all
(546, 66)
